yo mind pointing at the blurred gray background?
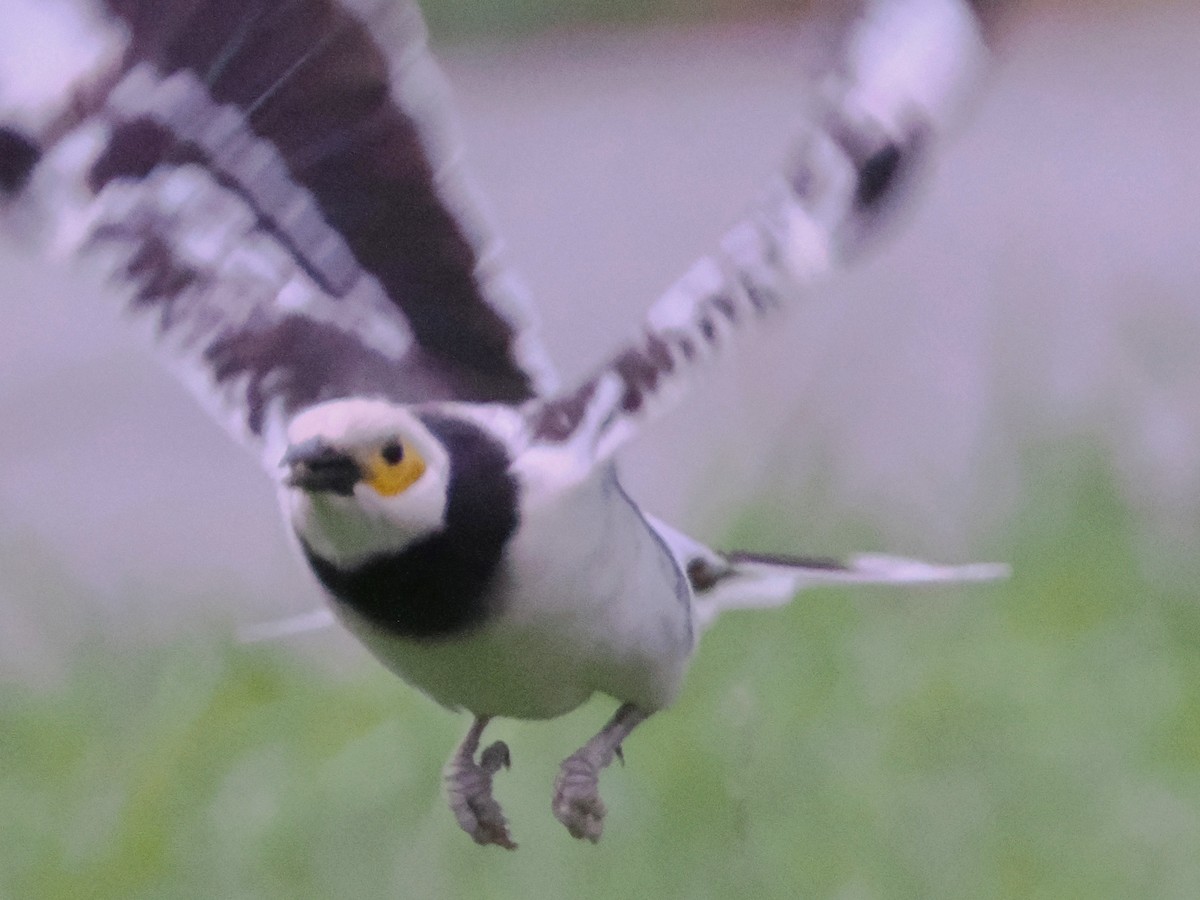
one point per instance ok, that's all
(1042, 291)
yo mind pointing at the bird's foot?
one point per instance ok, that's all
(469, 790)
(577, 802)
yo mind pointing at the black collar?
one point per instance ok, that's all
(439, 585)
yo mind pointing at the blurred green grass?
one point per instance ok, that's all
(453, 20)
(491, 20)
(1039, 738)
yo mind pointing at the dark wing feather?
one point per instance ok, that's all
(277, 181)
(889, 101)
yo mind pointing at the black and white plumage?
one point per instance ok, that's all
(278, 186)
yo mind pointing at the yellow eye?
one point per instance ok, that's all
(394, 468)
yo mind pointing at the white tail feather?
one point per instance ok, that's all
(754, 584)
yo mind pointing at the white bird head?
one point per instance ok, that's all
(363, 477)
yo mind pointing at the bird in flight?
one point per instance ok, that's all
(276, 187)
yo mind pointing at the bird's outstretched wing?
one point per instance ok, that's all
(904, 67)
(278, 185)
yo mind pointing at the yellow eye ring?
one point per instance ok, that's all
(394, 468)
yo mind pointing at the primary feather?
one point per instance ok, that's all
(279, 187)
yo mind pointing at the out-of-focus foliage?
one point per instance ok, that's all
(455, 20)
(452, 19)
(1039, 738)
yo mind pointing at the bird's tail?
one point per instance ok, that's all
(750, 581)
(741, 580)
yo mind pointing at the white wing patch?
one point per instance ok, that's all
(72, 43)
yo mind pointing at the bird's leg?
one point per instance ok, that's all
(577, 802)
(469, 788)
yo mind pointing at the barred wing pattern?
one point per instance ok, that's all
(279, 186)
(905, 66)
(278, 183)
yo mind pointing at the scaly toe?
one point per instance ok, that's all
(490, 825)
(469, 793)
(577, 802)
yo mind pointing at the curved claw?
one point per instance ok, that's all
(469, 790)
(495, 757)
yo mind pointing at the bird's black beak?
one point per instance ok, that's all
(318, 467)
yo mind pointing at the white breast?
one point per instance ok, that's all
(590, 600)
